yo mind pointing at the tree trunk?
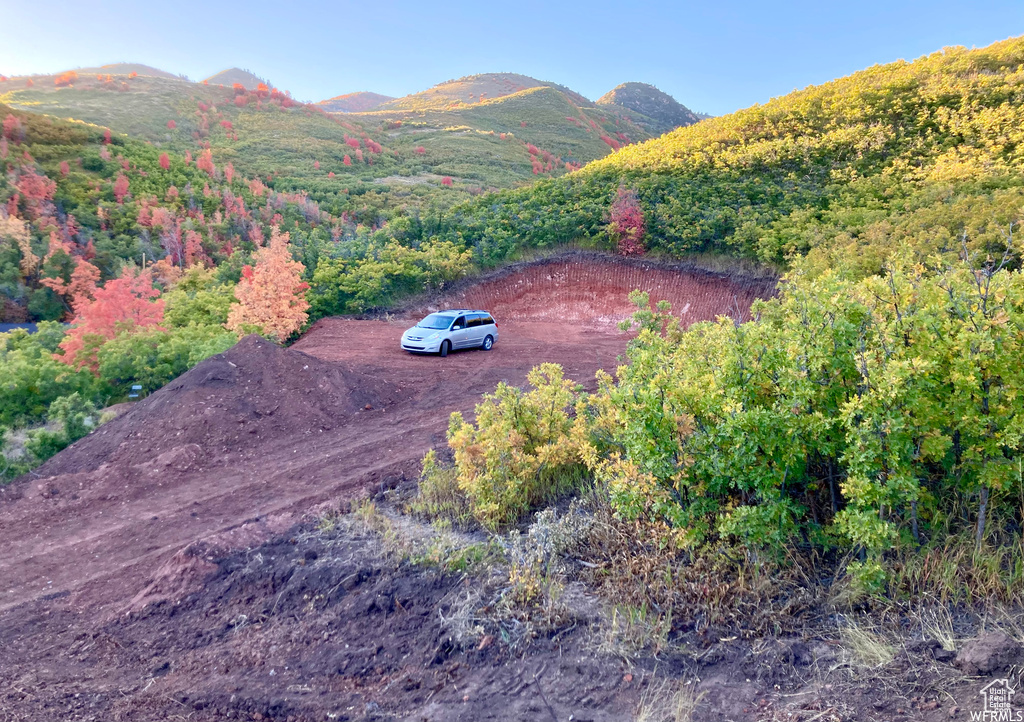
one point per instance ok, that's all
(982, 507)
(913, 523)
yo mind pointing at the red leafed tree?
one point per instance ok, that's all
(421, 150)
(330, 174)
(29, 82)
(271, 295)
(262, 91)
(171, 125)
(346, 160)
(170, 241)
(37, 190)
(165, 161)
(65, 79)
(446, 181)
(522, 123)
(64, 168)
(359, 155)
(12, 128)
(205, 162)
(120, 188)
(123, 305)
(188, 157)
(316, 165)
(106, 136)
(81, 290)
(229, 173)
(241, 100)
(195, 254)
(238, 88)
(626, 223)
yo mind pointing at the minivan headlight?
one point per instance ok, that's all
(436, 334)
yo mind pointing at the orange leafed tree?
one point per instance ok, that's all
(81, 290)
(271, 295)
(123, 305)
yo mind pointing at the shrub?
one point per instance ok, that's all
(519, 453)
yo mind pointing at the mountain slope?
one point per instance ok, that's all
(231, 76)
(354, 102)
(474, 88)
(129, 68)
(492, 144)
(652, 103)
(901, 156)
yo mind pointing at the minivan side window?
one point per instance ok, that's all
(460, 322)
(475, 320)
(486, 321)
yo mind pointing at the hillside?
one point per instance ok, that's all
(354, 102)
(128, 69)
(476, 88)
(651, 103)
(374, 164)
(844, 172)
(231, 76)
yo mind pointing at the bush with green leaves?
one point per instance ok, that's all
(519, 453)
(865, 414)
(30, 378)
(152, 358)
(69, 419)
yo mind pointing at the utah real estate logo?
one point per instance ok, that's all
(998, 696)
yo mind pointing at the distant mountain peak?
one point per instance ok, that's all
(655, 104)
(229, 77)
(128, 69)
(358, 102)
(475, 88)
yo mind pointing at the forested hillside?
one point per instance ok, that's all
(900, 155)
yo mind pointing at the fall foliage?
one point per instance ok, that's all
(626, 223)
(271, 295)
(124, 305)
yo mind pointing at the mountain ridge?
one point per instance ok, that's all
(649, 101)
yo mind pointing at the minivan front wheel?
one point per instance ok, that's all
(446, 346)
(488, 342)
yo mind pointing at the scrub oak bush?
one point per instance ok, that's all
(518, 454)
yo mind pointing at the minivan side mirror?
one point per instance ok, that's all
(456, 328)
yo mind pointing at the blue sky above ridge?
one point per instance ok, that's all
(712, 57)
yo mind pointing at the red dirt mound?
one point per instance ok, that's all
(593, 290)
(254, 393)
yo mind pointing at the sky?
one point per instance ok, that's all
(713, 57)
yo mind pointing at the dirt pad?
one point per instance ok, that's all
(113, 550)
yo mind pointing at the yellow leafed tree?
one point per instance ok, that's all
(16, 230)
(271, 294)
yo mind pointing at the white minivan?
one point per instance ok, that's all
(446, 331)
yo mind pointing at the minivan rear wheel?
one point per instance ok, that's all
(445, 348)
(488, 342)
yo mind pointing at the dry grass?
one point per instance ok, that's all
(631, 632)
(660, 703)
(865, 647)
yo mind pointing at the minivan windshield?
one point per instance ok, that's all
(436, 321)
